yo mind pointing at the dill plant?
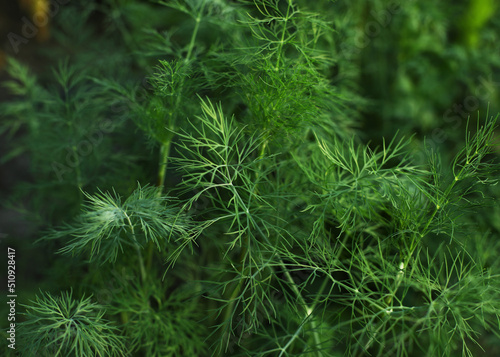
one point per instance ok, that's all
(63, 326)
(233, 207)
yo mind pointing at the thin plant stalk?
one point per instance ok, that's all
(307, 309)
(165, 147)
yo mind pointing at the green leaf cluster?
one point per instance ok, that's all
(243, 178)
(64, 326)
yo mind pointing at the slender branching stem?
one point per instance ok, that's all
(230, 308)
(192, 42)
(165, 147)
(137, 249)
(74, 150)
(283, 33)
(162, 164)
(244, 251)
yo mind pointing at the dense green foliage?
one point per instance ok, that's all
(262, 178)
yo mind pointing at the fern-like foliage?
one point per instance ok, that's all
(232, 183)
(65, 326)
(156, 314)
(107, 225)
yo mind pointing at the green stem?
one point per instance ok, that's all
(308, 309)
(78, 170)
(137, 249)
(312, 308)
(195, 33)
(141, 263)
(74, 149)
(313, 324)
(407, 257)
(124, 317)
(282, 41)
(165, 148)
(457, 178)
(149, 255)
(232, 299)
(166, 145)
(162, 165)
(229, 312)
